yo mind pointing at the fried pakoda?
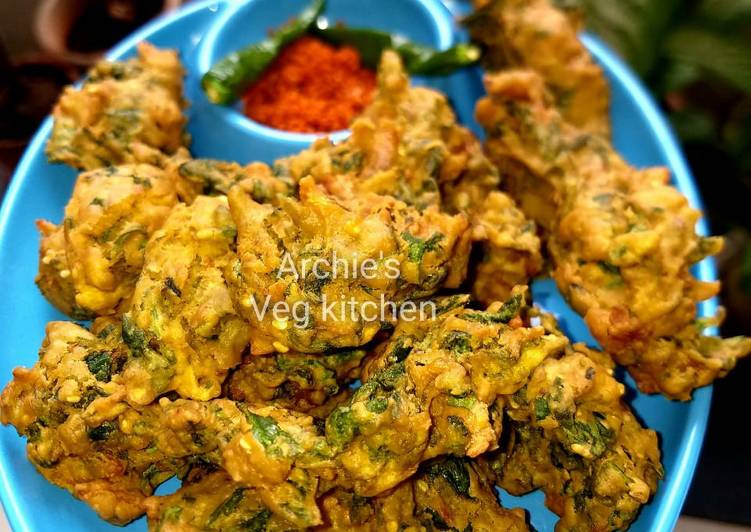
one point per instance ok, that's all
(408, 145)
(320, 273)
(125, 112)
(431, 396)
(616, 236)
(313, 384)
(446, 494)
(212, 502)
(572, 436)
(65, 406)
(536, 34)
(113, 455)
(88, 266)
(183, 325)
(210, 177)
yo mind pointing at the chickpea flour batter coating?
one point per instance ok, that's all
(446, 493)
(408, 144)
(413, 254)
(89, 264)
(616, 236)
(183, 323)
(310, 383)
(188, 371)
(125, 112)
(118, 451)
(537, 35)
(572, 436)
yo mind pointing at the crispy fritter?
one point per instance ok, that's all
(434, 400)
(88, 266)
(183, 325)
(125, 112)
(313, 384)
(446, 494)
(431, 396)
(536, 34)
(616, 236)
(408, 145)
(213, 501)
(210, 177)
(336, 269)
(572, 436)
(115, 454)
(69, 396)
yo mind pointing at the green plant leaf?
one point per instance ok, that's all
(723, 56)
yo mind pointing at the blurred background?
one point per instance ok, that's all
(695, 56)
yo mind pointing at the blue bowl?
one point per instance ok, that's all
(203, 32)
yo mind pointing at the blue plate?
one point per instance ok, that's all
(204, 31)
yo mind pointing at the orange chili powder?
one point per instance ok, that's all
(311, 87)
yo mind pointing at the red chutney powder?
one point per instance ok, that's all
(311, 87)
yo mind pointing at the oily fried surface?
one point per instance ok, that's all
(212, 501)
(536, 34)
(89, 264)
(408, 145)
(210, 177)
(125, 112)
(431, 396)
(572, 436)
(238, 305)
(308, 256)
(183, 323)
(446, 494)
(617, 237)
(312, 384)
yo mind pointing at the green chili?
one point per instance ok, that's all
(227, 79)
(418, 59)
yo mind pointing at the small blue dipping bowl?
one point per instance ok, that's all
(205, 31)
(425, 21)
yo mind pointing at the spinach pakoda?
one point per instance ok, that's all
(333, 270)
(114, 454)
(537, 35)
(183, 323)
(446, 494)
(616, 237)
(125, 112)
(430, 391)
(211, 500)
(313, 384)
(571, 435)
(89, 264)
(407, 144)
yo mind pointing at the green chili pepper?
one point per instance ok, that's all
(418, 59)
(228, 78)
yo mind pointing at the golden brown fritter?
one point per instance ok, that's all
(212, 501)
(64, 406)
(114, 454)
(313, 384)
(446, 494)
(408, 145)
(125, 112)
(433, 400)
(320, 273)
(572, 436)
(88, 266)
(536, 34)
(431, 396)
(183, 324)
(617, 236)
(210, 177)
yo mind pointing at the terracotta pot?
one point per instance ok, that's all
(55, 20)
